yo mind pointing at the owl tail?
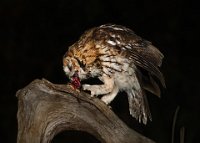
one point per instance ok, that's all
(138, 105)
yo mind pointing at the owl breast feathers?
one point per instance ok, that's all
(122, 60)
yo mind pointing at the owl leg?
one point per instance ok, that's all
(105, 88)
(109, 97)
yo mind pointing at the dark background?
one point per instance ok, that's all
(34, 35)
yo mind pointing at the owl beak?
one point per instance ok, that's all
(75, 74)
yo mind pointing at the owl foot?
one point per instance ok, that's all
(97, 89)
(89, 88)
(102, 89)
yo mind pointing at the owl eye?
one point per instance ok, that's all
(80, 63)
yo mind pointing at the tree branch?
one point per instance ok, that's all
(46, 109)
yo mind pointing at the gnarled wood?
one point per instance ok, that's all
(46, 109)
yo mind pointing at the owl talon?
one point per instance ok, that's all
(92, 94)
(89, 88)
(86, 87)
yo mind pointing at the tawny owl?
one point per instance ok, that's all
(122, 60)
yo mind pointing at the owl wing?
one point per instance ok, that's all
(138, 104)
(148, 57)
(140, 51)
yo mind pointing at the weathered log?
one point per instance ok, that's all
(46, 109)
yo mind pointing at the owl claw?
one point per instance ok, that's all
(86, 87)
(89, 88)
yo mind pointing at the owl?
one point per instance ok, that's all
(120, 59)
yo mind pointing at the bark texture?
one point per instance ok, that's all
(46, 109)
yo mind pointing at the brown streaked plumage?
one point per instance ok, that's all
(118, 57)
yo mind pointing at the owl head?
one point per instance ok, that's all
(72, 66)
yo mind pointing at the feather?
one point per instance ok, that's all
(140, 51)
(138, 105)
(148, 58)
(149, 84)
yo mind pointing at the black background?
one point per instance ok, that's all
(34, 35)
